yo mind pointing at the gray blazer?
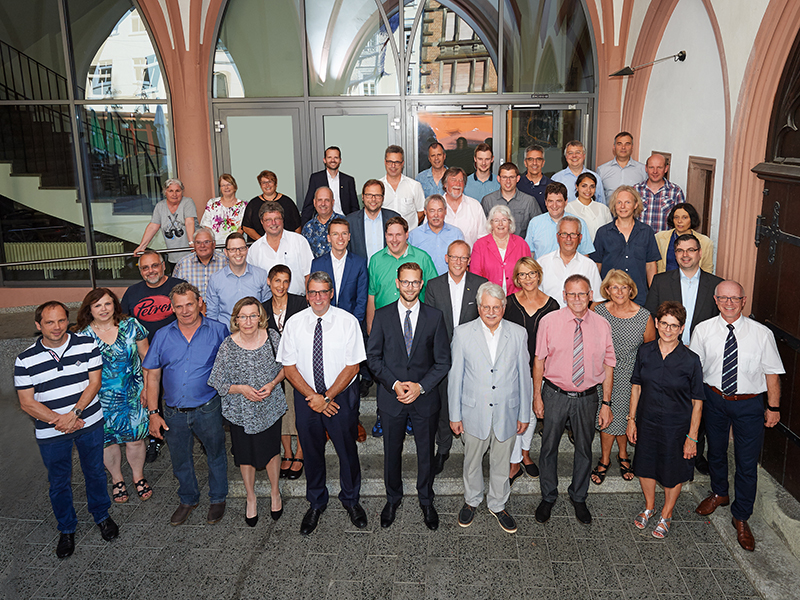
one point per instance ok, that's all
(486, 396)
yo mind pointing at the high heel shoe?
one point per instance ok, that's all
(251, 521)
(276, 514)
(295, 474)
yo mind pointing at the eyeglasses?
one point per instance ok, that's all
(565, 235)
(499, 221)
(412, 284)
(373, 196)
(686, 250)
(249, 317)
(318, 293)
(204, 243)
(669, 326)
(394, 163)
(527, 275)
(576, 295)
(508, 177)
(491, 309)
(458, 258)
(240, 250)
(726, 299)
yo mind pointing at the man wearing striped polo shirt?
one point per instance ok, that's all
(57, 380)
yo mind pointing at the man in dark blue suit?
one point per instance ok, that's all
(345, 199)
(409, 354)
(368, 224)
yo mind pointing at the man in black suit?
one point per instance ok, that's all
(368, 224)
(409, 354)
(345, 199)
(694, 288)
(463, 284)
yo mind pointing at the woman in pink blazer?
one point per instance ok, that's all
(494, 255)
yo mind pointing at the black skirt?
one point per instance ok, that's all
(255, 449)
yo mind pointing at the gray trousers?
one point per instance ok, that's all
(499, 456)
(582, 414)
(444, 435)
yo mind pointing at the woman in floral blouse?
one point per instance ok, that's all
(223, 215)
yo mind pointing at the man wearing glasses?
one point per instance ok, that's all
(574, 354)
(321, 350)
(234, 282)
(403, 194)
(200, 265)
(367, 225)
(541, 232)
(434, 235)
(534, 182)
(741, 368)
(408, 352)
(567, 261)
(522, 206)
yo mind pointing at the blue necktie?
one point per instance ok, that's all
(319, 369)
(729, 363)
(408, 335)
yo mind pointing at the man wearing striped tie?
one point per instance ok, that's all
(741, 369)
(574, 355)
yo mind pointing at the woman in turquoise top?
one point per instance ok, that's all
(123, 343)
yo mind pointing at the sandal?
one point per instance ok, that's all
(601, 475)
(143, 489)
(625, 468)
(662, 529)
(295, 474)
(642, 518)
(120, 497)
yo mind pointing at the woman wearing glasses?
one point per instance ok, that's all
(247, 377)
(175, 216)
(494, 256)
(666, 405)
(631, 325)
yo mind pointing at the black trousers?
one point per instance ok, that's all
(394, 433)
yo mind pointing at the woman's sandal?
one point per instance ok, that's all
(120, 497)
(643, 517)
(295, 474)
(601, 475)
(662, 529)
(625, 468)
(143, 489)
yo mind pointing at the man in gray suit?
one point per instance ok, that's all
(489, 392)
(454, 294)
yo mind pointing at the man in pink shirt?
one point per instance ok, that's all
(574, 354)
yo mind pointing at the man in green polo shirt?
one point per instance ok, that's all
(383, 267)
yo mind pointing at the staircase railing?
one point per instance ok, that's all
(24, 78)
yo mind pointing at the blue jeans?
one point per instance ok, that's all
(206, 423)
(57, 458)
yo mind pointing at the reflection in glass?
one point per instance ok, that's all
(349, 52)
(259, 51)
(454, 50)
(547, 47)
(550, 129)
(31, 52)
(459, 133)
(362, 136)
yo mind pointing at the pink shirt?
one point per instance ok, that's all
(486, 260)
(554, 343)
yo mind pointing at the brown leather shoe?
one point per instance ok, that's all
(215, 513)
(181, 514)
(744, 535)
(362, 433)
(710, 504)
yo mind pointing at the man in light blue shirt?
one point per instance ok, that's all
(622, 169)
(431, 179)
(575, 154)
(236, 281)
(542, 230)
(482, 182)
(434, 235)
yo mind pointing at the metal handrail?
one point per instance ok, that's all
(94, 257)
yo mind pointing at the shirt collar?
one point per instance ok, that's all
(475, 177)
(339, 260)
(695, 277)
(452, 281)
(487, 330)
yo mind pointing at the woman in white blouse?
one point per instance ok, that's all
(224, 214)
(584, 206)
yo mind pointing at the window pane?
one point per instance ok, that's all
(550, 129)
(114, 57)
(349, 52)
(459, 133)
(40, 216)
(259, 50)
(455, 49)
(31, 52)
(362, 136)
(547, 47)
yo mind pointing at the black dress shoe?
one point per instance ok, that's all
(251, 521)
(543, 511)
(438, 462)
(701, 464)
(357, 515)
(310, 520)
(466, 515)
(108, 529)
(388, 513)
(430, 516)
(582, 512)
(66, 545)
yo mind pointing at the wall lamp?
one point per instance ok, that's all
(679, 57)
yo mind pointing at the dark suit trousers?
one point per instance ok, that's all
(444, 435)
(342, 429)
(747, 419)
(394, 432)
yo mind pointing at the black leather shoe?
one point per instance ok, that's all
(465, 515)
(582, 512)
(388, 513)
(507, 522)
(108, 529)
(701, 464)
(310, 520)
(543, 511)
(357, 515)
(430, 516)
(66, 545)
(438, 462)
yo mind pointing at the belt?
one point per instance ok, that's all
(553, 386)
(186, 410)
(733, 397)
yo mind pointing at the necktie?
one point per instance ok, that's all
(577, 355)
(729, 363)
(319, 369)
(408, 335)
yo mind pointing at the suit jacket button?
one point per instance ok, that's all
(492, 388)
(491, 405)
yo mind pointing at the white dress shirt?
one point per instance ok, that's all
(333, 183)
(689, 287)
(555, 273)
(595, 215)
(407, 200)
(414, 316)
(293, 251)
(338, 273)
(492, 338)
(469, 218)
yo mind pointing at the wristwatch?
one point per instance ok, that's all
(421, 389)
(327, 400)
(773, 408)
(78, 412)
(150, 413)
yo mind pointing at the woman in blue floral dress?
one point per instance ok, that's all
(123, 343)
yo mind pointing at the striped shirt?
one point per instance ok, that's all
(59, 382)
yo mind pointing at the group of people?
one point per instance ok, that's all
(466, 328)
